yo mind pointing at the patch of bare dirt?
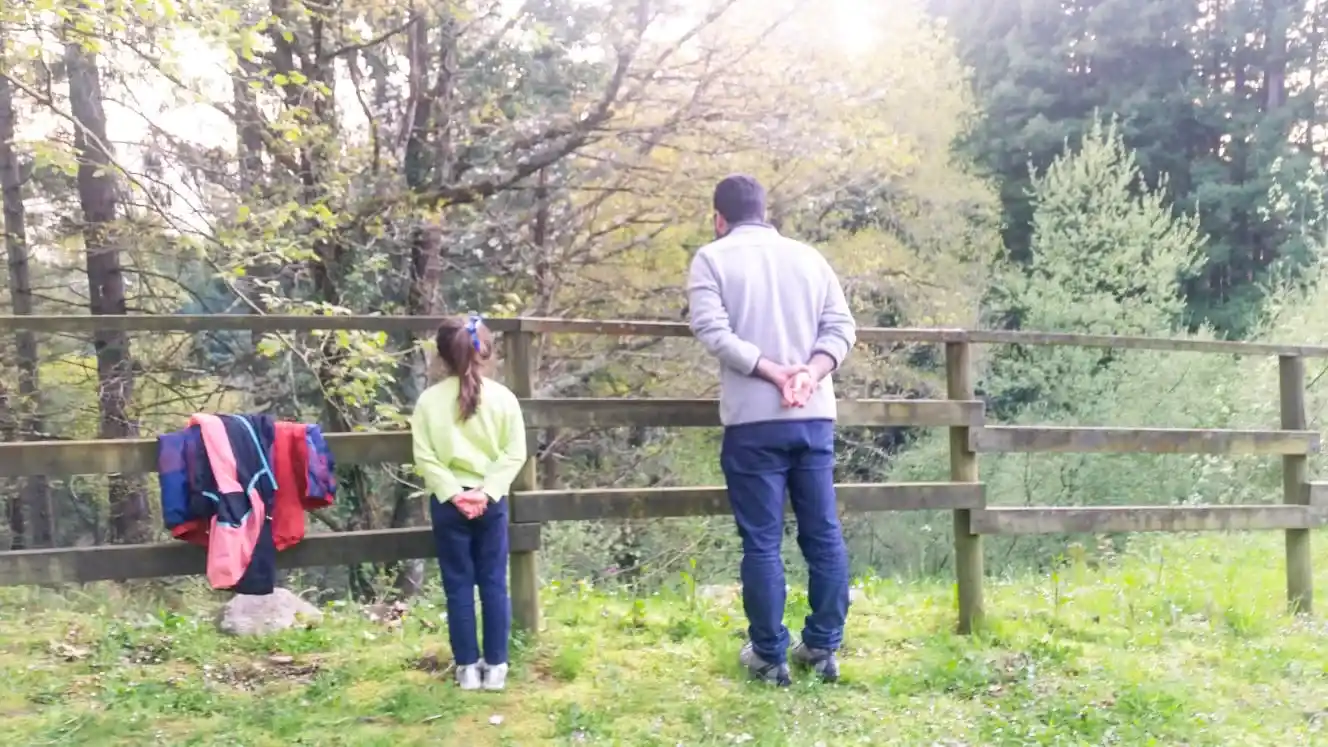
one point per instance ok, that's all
(432, 663)
(254, 675)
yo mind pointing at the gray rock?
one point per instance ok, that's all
(248, 614)
(719, 593)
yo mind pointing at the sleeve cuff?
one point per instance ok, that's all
(745, 358)
(444, 492)
(836, 352)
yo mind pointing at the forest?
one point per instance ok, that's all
(1105, 166)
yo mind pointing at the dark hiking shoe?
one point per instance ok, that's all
(760, 669)
(819, 660)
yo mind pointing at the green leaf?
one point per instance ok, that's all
(268, 347)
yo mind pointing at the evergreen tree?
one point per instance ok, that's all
(1106, 256)
(1217, 97)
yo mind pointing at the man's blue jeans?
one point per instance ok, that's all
(761, 461)
(473, 553)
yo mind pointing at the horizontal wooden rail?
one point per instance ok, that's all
(1316, 493)
(115, 562)
(84, 324)
(1105, 519)
(140, 455)
(158, 560)
(684, 413)
(904, 335)
(1058, 439)
(648, 503)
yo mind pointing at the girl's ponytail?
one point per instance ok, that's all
(465, 347)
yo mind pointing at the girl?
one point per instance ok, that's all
(470, 443)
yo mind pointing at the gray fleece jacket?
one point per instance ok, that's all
(755, 294)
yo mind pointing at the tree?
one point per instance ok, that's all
(1107, 256)
(34, 498)
(106, 283)
(550, 158)
(1216, 99)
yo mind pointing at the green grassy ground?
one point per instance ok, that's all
(1183, 643)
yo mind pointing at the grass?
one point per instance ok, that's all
(1181, 642)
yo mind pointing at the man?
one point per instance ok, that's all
(772, 311)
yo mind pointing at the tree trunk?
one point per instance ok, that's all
(248, 133)
(14, 505)
(412, 378)
(249, 156)
(545, 290)
(314, 95)
(1277, 19)
(430, 115)
(35, 496)
(106, 285)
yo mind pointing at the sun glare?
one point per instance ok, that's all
(855, 24)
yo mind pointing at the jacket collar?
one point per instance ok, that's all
(750, 227)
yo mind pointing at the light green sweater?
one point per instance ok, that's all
(485, 452)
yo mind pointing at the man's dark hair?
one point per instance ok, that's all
(740, 198)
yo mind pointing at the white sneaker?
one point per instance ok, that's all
(468, 677)
(495, 676)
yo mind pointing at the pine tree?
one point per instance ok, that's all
(1207, 95)
(1107, 256)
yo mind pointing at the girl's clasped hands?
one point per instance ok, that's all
(472, 503)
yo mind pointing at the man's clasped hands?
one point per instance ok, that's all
(471, 503)
(796, 383)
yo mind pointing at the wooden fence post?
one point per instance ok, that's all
(524, 564)
(1295, 488)
(964, 468)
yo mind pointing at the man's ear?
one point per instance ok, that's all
(721, 226)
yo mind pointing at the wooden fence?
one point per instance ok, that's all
(1304, 506)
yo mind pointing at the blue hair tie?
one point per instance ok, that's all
(473, 328)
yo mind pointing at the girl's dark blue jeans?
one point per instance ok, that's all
(473, 553)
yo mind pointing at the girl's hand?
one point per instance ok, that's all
(471, 503)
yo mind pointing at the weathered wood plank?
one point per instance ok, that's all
(140, 455)
(654, 503)
(523, 567)
(1104, 519)
(1127, 342)
(964, 468)
(180, 559)
(683, 413)
(122, 562)
(86, 324)
(1316, 493)
(1299, 563)
(911, 412)
(74, 324)
(1058, 439)
(606, 328)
